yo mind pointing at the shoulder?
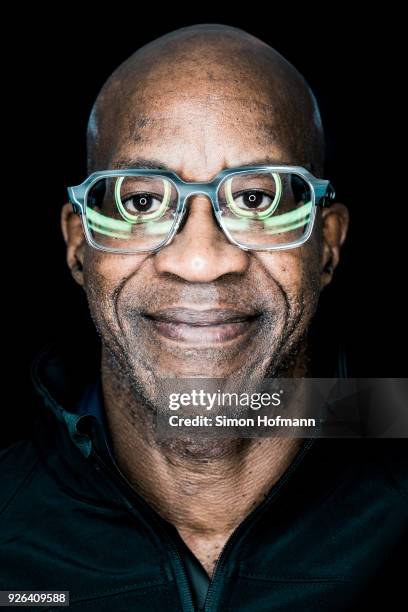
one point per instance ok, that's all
(17, 464)
(392, 455)
(378, 465)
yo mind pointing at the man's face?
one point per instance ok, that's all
(201, 306)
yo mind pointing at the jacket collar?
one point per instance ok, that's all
(60, 374)
(60, 379)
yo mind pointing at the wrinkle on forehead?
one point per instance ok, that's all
(203, 114)
(203, 68)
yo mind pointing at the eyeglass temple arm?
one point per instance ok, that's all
(325, 193)
(72, 196)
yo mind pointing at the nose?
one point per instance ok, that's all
(200, 252)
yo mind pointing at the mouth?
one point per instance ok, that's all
(201, 326)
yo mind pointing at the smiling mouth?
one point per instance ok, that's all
(194, 326)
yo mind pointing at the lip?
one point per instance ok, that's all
(201, 326)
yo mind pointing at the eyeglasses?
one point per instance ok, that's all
(262, 208)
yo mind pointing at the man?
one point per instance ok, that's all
(97, 503)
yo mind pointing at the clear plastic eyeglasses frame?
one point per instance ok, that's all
(321, 190)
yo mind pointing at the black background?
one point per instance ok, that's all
(54, 68)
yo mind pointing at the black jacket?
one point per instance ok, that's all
(331, 535)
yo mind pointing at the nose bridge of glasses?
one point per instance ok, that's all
(187, 190)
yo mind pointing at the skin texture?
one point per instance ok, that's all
(199, 100)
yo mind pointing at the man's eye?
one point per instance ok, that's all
(141, 202)
(258, 200)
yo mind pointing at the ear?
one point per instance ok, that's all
(75, 240)
(335, 221)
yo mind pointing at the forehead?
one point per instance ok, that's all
(187, 131)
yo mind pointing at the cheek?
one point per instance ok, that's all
(294, 270)
(109, 270)
(104, 274)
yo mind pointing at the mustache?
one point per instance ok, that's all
(228, 300)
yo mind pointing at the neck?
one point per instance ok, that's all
(190, 483)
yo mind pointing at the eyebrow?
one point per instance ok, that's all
(153, 164)
(140, 162)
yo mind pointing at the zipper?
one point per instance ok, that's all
(120, 479)
(181, 577)
(216, 579)
(217, 576)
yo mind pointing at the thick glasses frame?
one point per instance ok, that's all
(322, 194)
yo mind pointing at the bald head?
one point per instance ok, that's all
(196, 102)
(200, 75)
